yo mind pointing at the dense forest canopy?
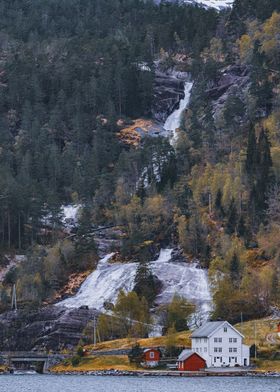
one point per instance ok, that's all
(64, 66)
(69, 71)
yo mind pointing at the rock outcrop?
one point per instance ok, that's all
(234, 81)
(168, 91)
(50, 328)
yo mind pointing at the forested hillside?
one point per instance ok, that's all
(72, 73)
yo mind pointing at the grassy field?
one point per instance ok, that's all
(268, 366)
(182, 339)
(265, 331)
(105, 362)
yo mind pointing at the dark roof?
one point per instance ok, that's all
(185, 354)
(207, 329)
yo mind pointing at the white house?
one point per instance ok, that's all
(220, 344)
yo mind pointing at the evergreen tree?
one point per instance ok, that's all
(232, 218)
(218, 202)
(252, 154)
(241, 227)
(145, 283)
(235, 270)
(84, 241)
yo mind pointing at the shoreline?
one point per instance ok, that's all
(159, 373)
(154, 373)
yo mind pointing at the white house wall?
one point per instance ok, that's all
(221, 349)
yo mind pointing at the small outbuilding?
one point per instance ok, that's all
(190, 361)
(151, 357)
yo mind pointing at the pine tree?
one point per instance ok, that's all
(235, 270)
(145, 284)
(232, 218)
(252, 154)
(264, 175)
(85, 243)
(241, 227)
(218, 202)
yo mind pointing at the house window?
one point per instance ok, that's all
(220, 349)
(230, 340)
(205, 349)
(205, 340)
(235, 359)
(230, 350)
(234, 340)
(225, 329)
(235, 350)
(215, 349)
(221, 359)
(152, 355)
(215, 359)
(218, 340)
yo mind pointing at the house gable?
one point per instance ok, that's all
(227, 325)
(210, 328)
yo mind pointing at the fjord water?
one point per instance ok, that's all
(46, 383)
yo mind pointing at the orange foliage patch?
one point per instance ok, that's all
(130, 134)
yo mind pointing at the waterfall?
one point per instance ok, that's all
(173, 122)
(103, 284)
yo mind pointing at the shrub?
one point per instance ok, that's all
(80, 351)
(75, 360)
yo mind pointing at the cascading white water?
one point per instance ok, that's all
(104, 284)
(217, 4)
(173, 122)
(184, 279)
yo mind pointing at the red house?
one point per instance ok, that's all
(190, 361)
(151, 357)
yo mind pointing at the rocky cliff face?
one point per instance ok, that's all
(50, 328)
(233, 82)
(168, 91)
